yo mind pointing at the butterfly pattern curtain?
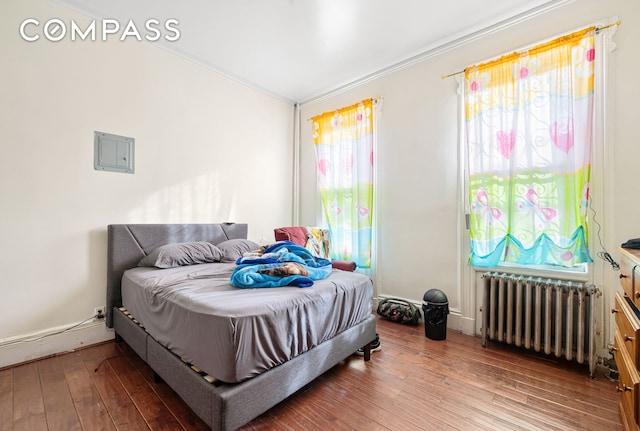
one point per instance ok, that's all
(343, 142)
(529, 131)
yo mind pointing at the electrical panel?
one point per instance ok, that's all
(113, 153)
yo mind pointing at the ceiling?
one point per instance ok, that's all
(298, 50)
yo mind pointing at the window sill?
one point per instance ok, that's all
(578, 274)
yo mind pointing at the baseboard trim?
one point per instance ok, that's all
(467, 325)
(18, 350)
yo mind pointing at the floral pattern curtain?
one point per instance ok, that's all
(344, 153)
(529, 131)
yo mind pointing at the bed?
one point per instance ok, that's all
(191, 345)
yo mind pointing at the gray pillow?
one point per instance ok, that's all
(232, 249)
(181, 254)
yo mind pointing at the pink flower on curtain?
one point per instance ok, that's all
(336, 120)
(363, 113)
(506, 142)
(336, 208)
(567, 256)
(585, 55)
(525, 67)
(476, 85)
(524, 72)
(323, 165)
(362, 211)
(562, 135)
(590, 55)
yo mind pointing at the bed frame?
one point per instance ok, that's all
(225, 406)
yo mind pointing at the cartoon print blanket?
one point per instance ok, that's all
(281, 264)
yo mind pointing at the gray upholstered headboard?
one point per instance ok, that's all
(128, 243)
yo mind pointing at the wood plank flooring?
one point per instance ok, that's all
(413, 383)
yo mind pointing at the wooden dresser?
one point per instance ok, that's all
(626, 346)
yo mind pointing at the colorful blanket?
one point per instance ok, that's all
(281, 264)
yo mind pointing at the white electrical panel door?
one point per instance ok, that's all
(113, 153)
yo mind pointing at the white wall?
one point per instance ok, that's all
(205, 148)
(418, 157)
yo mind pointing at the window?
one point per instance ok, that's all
(529, 121)
(344, 153)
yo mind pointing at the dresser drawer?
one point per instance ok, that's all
(628, 327)
(629, 381)
(627, 268)
(635, 281)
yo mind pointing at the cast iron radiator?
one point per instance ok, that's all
(551, 316)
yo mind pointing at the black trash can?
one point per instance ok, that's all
(435, 307)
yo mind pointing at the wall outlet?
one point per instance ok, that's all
(98, 313)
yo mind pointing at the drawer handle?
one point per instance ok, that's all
(624, 388)
(614, 311)
(637, 295)
(628, 338)
(613, 349)
(623, 275)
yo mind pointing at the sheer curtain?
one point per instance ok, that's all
(343, 142)
(529, 130)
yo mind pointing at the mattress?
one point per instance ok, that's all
(234, 334)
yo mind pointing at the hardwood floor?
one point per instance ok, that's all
(413, 383)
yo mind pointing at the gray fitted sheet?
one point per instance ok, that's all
(234, 334)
